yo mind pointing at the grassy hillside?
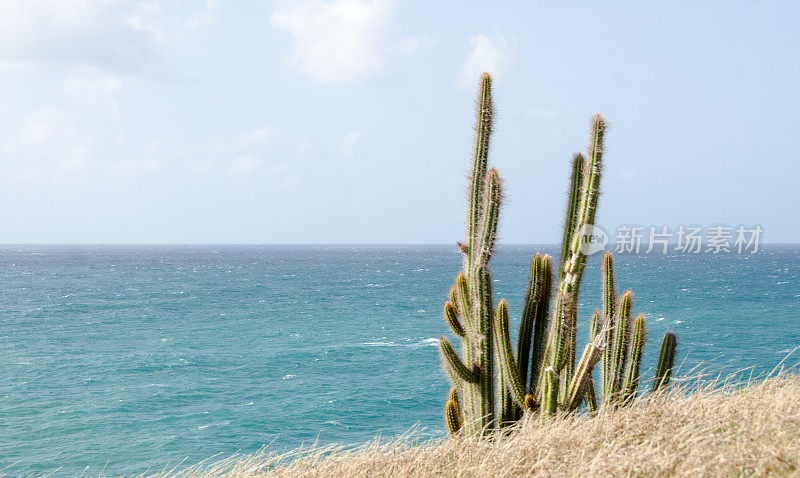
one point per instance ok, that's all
(724, 430)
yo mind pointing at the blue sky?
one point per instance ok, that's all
(349, 121)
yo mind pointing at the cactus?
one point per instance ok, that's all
(473, 375)
(491, 386)
(666, 360)
(636, 345)
(609, 295)
(619, 348)
(540, 324)
(509, 378)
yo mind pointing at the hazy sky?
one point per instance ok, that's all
(350, 121)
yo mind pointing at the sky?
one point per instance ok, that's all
(350, 121)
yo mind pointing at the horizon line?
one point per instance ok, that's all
(454, 244)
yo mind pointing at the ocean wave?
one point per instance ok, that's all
(430, 342)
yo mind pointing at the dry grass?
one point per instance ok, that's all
(724, 429)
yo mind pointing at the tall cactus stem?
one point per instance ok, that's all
(666, 361)
(619, 348)
(483, 131)
(630, 382)
(540, 326)
(481, 289)
(532, 298)
(506, 362)
(607, 320)
(573, 268)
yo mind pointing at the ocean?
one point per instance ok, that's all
(134, 358)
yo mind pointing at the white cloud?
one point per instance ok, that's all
(82, 31)
(243, 165)
(350, 142)
(336, 41)
(115, 35)
(487, 54)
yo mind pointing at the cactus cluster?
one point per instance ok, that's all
(495, 385)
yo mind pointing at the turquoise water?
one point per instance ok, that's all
(140, 356)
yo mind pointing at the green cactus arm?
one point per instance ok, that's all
(582, 377)
(452, 297)
(508, 366)
(490, 215)
(631, 380)
(483, 346)
(483, 131)
(532, 298)
(454, 365)
(573, 203)
(609, 292)
(453, 416)
(451, 317)
(619, 348)
(666, 361)
(540, 326)
(591, 184)
(549, 404)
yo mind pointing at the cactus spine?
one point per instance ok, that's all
(491, 386)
